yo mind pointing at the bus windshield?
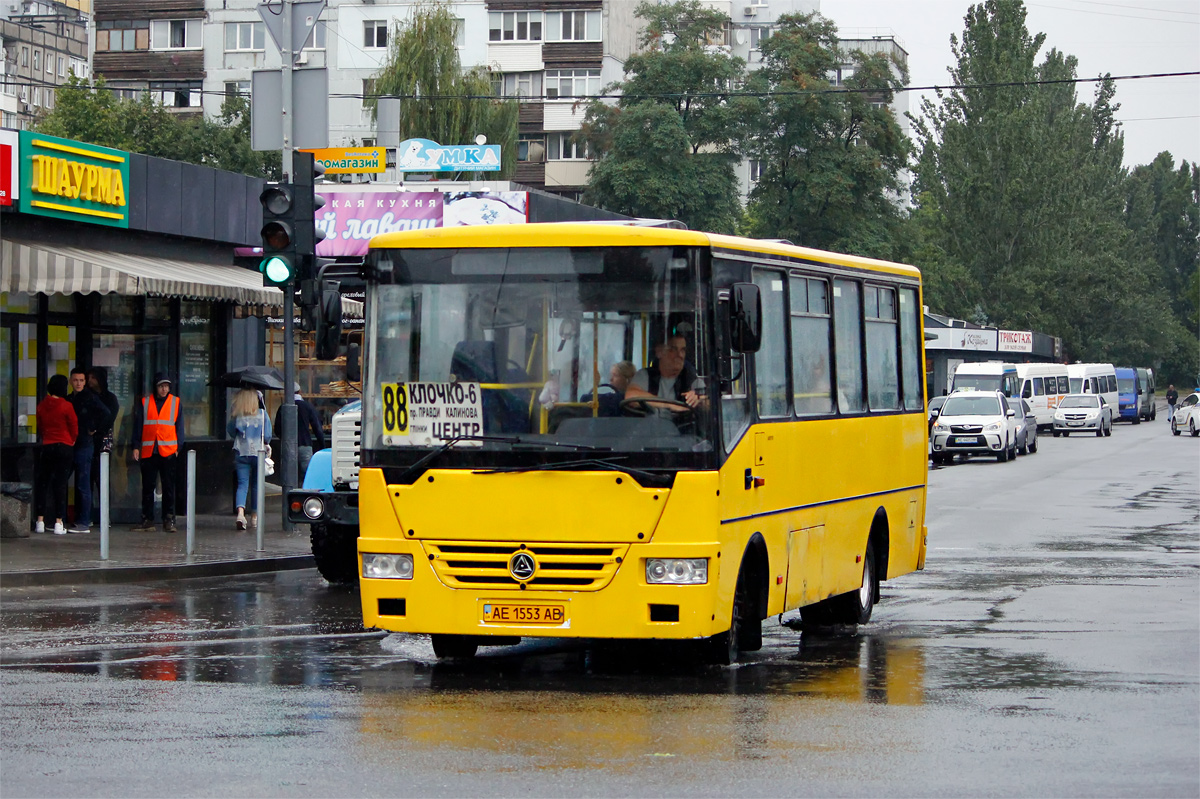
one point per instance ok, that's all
(551, 339)
(979, 382)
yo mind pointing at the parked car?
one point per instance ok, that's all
(1187, 414)
(935, 409)
(975, 423)
(1027, 425)
(1083, 413)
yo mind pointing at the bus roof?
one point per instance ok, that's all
(592, 234)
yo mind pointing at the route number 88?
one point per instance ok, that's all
(395, 409)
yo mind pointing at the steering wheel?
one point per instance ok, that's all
(642, 406)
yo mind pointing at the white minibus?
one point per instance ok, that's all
(986, 376)
(1095, 378)
(1042, 386)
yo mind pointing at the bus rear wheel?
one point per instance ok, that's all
(454, 646)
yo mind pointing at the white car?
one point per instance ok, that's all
(974, 423)
(1083, 413)
(1187, 414)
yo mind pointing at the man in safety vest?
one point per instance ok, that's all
(157, 437)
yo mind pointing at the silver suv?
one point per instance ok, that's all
(975, 423)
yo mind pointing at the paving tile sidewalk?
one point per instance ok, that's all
(48, 559)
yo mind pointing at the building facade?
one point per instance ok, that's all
(44, 43)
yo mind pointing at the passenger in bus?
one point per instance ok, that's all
(612, 392)
(669, 377)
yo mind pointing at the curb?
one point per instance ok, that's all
(177, 571)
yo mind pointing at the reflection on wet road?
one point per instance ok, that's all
(1050, 647)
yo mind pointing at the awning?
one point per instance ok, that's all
(49, 269)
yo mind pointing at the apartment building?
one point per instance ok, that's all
(43, 44)
(154, 46)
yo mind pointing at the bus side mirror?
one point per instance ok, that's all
(328, 320)
(745, 317)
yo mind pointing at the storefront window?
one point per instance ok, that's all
(60, 303)
(196, 369)
(115, 310)
(27, 387)
(158, 309)
(8, 405)
(60, 349)
(18, 302)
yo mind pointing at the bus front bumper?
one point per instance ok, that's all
(626, 607)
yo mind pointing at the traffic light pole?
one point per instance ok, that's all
(287, 411)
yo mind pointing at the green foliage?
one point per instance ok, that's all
(422, 65)
(830, 159)
(667, 149)
(92, 113)
(1023, 201)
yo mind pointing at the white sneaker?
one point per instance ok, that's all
(39, 527)
(59, 529)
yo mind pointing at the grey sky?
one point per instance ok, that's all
(1121, 37)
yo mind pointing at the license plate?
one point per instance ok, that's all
(523, 613)
(966, 440)
(1074, 424)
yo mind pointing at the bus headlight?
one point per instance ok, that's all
(313, 507)
(376, 566)
(677, 571)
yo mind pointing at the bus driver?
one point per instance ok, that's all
(669, 377)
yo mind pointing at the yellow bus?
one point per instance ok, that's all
(626, 432)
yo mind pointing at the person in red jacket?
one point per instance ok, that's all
(58, 428)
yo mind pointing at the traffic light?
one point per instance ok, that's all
(308, 235)
(280, 261)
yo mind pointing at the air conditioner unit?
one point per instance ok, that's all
(750, 11)
(301, 59)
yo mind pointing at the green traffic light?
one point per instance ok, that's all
(276, 269)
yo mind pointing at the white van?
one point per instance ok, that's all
(1095, 378)
(986, 376)
(1042, 386)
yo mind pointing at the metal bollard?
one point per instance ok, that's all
(261, 495)
(191, 502)
(104, 493)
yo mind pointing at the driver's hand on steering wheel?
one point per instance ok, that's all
(694, 400)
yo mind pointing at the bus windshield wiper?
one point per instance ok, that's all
(603, 464)
(415, 470)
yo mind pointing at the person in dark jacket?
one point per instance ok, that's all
(57, 428)
(93, 415)
(310, 436)
(102, 441)
(157, 436)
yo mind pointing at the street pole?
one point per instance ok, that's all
(287, 412)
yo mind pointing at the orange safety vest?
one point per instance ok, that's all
(158, 427)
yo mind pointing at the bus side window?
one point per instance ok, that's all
(811, 390)
(1064, 385)
(770, 362)
(1038, 390)
(847, 312)
(883, 385)
(910, 351)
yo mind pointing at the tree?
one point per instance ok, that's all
(831, 155)
(667, 148)
(439, 100)
(92, 113)
(1022, 195)
(1162, 213)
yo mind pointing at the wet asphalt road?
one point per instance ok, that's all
(1051, 647)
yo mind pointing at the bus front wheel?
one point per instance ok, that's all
(454, 646)
(745, 627)
(335, 551)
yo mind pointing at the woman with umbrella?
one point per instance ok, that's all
(250, 429)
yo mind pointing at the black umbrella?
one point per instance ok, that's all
(254, 376)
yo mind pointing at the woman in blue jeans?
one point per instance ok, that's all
(250, 430)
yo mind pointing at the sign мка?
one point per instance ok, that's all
(423, 155)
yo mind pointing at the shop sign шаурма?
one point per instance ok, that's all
(67, 179)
